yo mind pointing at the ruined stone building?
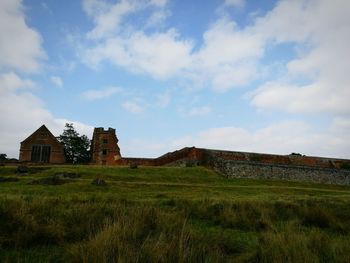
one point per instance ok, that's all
(42, 147)
(104, 147)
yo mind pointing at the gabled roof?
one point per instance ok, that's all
(42, 128)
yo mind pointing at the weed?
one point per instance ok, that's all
(170, 215)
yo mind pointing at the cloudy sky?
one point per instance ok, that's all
(267, 76)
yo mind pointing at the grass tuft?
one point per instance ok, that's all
(170, 215)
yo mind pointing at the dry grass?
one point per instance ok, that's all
(130, 221)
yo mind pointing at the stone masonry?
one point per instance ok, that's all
(232, 164)
(43, 147)
(245, 169)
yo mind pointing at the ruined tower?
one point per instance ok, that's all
(104, 147)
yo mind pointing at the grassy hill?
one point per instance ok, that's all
(159, 214)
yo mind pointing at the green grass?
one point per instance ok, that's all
(160, 214)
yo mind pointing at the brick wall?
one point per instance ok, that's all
(104, 147)
(254, 165)
(42, 136)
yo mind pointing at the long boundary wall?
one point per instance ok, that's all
(253, 165)
(244, 169)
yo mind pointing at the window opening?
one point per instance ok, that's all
(41, 153)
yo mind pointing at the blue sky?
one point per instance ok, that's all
(265, 76)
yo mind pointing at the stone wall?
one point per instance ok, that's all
(188, 154)
(177, 158)
(249, 169)
(291, 159)
(254, 165)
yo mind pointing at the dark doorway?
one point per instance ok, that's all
(41, 153)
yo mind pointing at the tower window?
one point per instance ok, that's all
(105, 141)
(104, 152)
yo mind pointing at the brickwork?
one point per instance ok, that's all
(138, 161)
(197, 155)
(254, 165)
(173, 158)
(105, 151)
(41, 138)
(104, 147)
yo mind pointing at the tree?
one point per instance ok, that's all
(76, 147)
(3, 156)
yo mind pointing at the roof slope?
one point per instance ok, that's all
(44, 129)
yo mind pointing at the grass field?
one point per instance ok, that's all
(163, 214)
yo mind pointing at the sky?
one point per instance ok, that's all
(266, 76)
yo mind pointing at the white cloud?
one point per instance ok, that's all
(163, 99)
(95, 7)
(100, 94)
(22, 113)
(159, 3)
(228, 56)
(20, 45)
(57, 125)
(341, 125)
(133, 107)
(235, 3)
(108, 17)
(322, 34)
(141, 148)
(226, 59)
(198, 111)
(157, 18)
(108, 21)
(281, 138)
(144, 53)
(316, 97)
(278, 138)
(57, 81)
(10, 82)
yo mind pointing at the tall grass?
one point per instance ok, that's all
(291, 244)
(78, 222)
(146, 235)
(176, 231)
